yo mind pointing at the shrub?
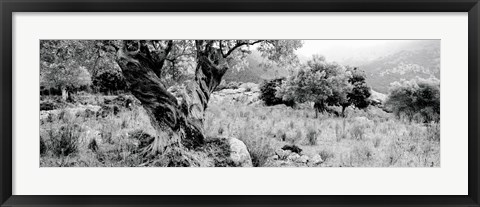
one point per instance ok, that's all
(312, 136)
(394, 153)
(297, 137)
(339, 132)
(326, 154)
(268, 92)
(107, 136)
(47, 106)
(416, 100)
(43, 146)
(361, 154)
(93, 145)
(109, 82)
(377, 141)
(292, 148)
(259, 147)
(283, 136)
(433, 132)
(66, 140)
(220, 130)
(357, 131)
(261, 152)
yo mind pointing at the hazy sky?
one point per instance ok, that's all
(352, 51)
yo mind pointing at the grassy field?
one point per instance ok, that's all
(94, 133)
(363, 139)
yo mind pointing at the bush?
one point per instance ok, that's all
(110, 82)
(93, 145)
(377, 141)
(47, 106)
(312, 136)
(433, 132)
(43, 146)
(416, 100)
(268, 92)
(66, 140)
(340, 131)
(292, 148)
(361, 154)
(260, 150)
(326, 155)
(357, 131)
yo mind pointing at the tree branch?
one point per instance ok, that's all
(239, 44)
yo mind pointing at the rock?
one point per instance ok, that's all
(292, 148)
(248, 93)
(378, 97)
(232, 91)
(282, 154)
(249, 86)
(293, 157)
(303, 159)
(317, 159)
(239, 153)
(274, 157)
(49, 115)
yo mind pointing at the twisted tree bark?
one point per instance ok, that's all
(176, 114)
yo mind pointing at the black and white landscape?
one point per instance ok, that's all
(240, 103)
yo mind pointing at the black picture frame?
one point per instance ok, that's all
(7, 7)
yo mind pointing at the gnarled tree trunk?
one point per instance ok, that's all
(176, 114)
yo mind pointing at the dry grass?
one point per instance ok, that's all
(94, 140)
(369, 138)
(380, 141)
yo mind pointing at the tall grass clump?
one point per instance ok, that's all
(357, 131)
(259, 147)
(43, 146)
(361, 155)
(65, 142)
(260, 150)
(311, 136)
(433, 132)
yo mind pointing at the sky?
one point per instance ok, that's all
(352, 51)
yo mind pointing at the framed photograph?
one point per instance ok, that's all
(239, 103)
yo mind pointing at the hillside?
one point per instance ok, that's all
(414, 60)
(401, 61)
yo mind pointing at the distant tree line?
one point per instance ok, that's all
(328, 84)
(67, 66)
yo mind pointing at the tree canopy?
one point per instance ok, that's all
(417, 99)
(62, 64)
(326, 84)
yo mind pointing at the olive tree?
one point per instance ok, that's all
(326, 84)
(321, 82)
(177, 113)
(416, 99)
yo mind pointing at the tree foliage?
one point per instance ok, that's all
(417, 99)
(360, 93)
(109, 82)
(62, 64)
(268, 92)
(326, 84)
